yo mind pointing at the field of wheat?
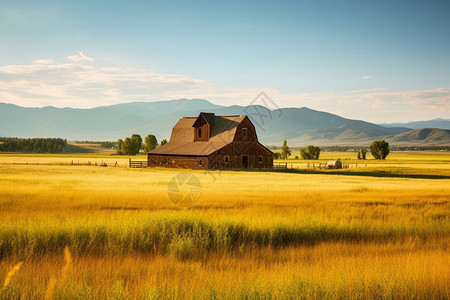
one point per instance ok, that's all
(90, 232)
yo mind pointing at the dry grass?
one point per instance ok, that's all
(251, 235)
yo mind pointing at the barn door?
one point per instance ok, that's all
(245, 162)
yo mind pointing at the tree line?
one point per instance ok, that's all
(379, 150)
(104, 144)
(358, 148)
(134, 144)
(38, 145)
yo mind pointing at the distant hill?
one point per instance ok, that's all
(435, 123)
(423, 136)
(300, 126)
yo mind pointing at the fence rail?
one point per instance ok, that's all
(71, 163)
(280, 166)
(138, 164)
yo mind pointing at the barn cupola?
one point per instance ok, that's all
(203, 126)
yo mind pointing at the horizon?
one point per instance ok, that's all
(380, 62)
(289, 107)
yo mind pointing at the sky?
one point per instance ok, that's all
(378, 61)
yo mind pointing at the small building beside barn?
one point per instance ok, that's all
(212, 142)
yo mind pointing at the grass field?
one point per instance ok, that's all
(250, 235)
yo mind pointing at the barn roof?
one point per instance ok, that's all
(182, 138)
(209, 117)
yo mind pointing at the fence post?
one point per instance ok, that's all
(129, 162)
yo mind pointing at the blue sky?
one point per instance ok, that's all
(381, 61)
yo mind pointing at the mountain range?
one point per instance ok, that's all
(436, 123)
(300, 126)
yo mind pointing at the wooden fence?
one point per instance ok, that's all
(280, 166)
(72, 163)
(138, 163)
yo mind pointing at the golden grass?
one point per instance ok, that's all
(254, 235)
(11, 274)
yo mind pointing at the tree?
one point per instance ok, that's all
(379, 149)
(127, 146)
(136, 144)
(285, 151)
(314, 151)
(151, 142)
(163, 142)
(363, 153)
(311, 152)
(120, 146)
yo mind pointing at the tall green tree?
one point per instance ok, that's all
(151, 142)
(127, 146)
(363, 153)
(120, 147)
(379, 149)
(136, 144)
(285, 151)
(163, 142)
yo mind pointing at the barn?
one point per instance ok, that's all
(212, 142)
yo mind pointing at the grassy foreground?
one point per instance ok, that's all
(251, 235)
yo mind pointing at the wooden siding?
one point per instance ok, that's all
(235, 153)
(172, 161)
(205, 128)
(250, 135)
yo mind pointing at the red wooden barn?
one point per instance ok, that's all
(212, 142)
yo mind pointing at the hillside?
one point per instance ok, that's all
(424, 136)
(300, 126)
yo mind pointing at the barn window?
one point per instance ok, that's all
(244, 132)
(199, 132)
(260, 159)
(166, 161)
(200, 163)
(226, 159)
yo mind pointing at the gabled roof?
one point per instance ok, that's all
(209, 118)
(182, 138)
(223, 130)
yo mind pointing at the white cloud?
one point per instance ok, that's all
(44, 61)
(366, 77)
(84, 86)
(368, 90)
(79, 57)
(111, 69)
